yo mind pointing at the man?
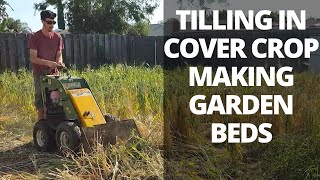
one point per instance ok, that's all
(45, 54)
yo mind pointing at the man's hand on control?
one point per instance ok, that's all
(61, 64)
(53, 65)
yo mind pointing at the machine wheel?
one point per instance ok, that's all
(110, 118)
(68, 136)
(43, 137)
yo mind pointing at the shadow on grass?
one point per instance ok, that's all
(25, 160)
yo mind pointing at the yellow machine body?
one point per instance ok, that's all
(86, 106)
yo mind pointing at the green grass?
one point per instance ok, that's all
(138, 92)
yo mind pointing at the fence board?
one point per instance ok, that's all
(119, 50)
(82, 41)
(101, 50)
(89, 48)
(113, 49)
(145, 50)
(7, 52)
(94, 50)
(132, 50)
(21, 50)
(27, 51)
(160, 51)
(3, 52)
(17, 52)
(76, 50)
(69, 54)
(64, 48)
(107, 48)
(12, 48)
(125, 49)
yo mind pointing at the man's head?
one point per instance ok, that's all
(47, 18)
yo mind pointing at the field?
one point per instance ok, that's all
(150, 95)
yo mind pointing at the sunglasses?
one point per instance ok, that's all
(51, 22)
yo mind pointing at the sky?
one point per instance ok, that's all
(24, 10)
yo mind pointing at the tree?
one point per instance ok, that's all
(14, 26)
(17, 26)
(9, 24)
(3, 8)
(104, 16)
(140, 28)
(202, 4)
(3, 15)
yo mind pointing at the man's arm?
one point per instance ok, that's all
(35, 60)
(59, 59)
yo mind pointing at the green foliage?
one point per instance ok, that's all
(3, 25)
(16, 26)
(8, 24)
(140, 28)
(3, 15)
(202, 4)
(105, 16)
(3, 8)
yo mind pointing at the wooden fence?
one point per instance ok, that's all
(98, 49)
(86, 49)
